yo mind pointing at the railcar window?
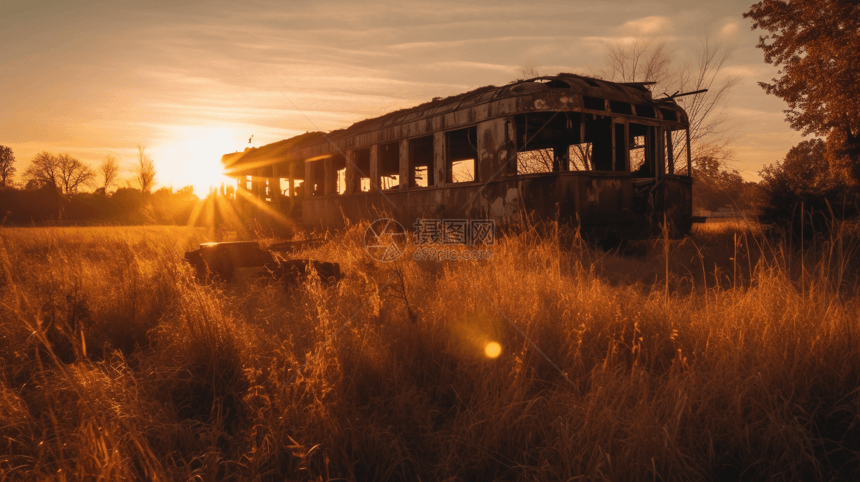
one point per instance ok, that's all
(598, 131)
(297, 187)
(362, 170)
(620, 107)
(389, 165)
(580, 157)
(462, 155)
(642, 141)
(421, 162)
(535, 161)
(317, 178)
(545, 143)
(338, 165)
(594, 103)
(669, 115)
(620, 148)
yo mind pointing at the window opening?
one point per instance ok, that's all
(361, 158)
(620, 107)
(598, 131)
(580, 157)
(338, 166)
(642, 140)
(462, 155)
(535, 161)
(620, 148)
(421, 162)
(317, 181)
(389, 165)
(594, 103)
(669, 115)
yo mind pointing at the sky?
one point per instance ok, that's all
(191, 81)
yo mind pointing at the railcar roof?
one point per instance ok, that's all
(632, 92)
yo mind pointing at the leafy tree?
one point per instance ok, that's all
(805, 178)
(717, 186)
(816, 45)
(7, 165)
(803, 173)
(145, 170)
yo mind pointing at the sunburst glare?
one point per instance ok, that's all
(193, 156)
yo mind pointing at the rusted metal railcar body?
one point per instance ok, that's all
(604, 156)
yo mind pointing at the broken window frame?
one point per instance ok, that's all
(360, 171)
(419, 157)
(388, 160)
(456, 151)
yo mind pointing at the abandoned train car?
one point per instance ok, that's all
(600, 155)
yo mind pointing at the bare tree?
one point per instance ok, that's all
(109, 170)
(643, 61)
(705, 110)
(63, 172)
(651, 61)
(7, 166)
(44, 170)
(145, 170)
(543, 160)
(73, 174)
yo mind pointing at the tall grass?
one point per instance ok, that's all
(116, 364)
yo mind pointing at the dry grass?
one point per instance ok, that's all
(115, 364)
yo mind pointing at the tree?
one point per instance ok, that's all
(44, 170)
(7, 165)
(73, 174)
(644, 61)
(805, 179)
(718, 186)
(109, 170)
(816, 45)
(803, 172)
(650, 61)
(145, 170)
(64, 172)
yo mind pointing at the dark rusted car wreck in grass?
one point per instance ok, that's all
(603, 156)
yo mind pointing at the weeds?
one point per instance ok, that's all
(729, 354)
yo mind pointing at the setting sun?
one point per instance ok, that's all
(194, 158)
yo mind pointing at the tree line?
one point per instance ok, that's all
(54, 188)
(69, 175)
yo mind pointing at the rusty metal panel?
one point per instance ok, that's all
(374, 168)
(492, 148)
(404, 165)
(440, 158)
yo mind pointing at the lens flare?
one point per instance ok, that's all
(493, 349)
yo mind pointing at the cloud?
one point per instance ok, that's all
(478, 65)
(729, 30)
(648, 26)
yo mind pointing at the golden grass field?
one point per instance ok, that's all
(728, 355)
